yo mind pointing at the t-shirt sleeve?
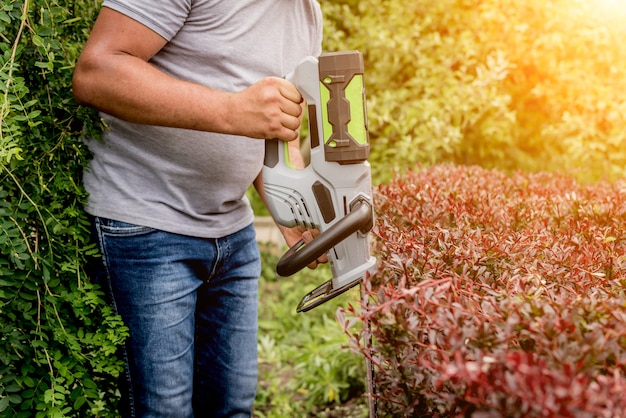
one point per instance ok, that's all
(163, 17)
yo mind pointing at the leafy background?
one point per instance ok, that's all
(531, 86)
(513, 85)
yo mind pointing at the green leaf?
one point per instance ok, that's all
(37, 40)
(79, 402)
(4, 404)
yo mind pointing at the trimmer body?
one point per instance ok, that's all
(334, 192)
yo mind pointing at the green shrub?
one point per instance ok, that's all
(497, 296)
(305, 366)
(58, 336)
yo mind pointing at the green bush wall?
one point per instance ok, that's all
(58, 336)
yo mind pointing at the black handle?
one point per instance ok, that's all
(301, 255)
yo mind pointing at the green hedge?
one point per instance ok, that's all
(58, 336)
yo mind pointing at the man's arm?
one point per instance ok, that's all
(113, 75)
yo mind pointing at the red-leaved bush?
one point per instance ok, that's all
(496, 296)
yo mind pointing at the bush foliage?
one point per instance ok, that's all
(305, 369)
(57, 334)
(532, 85)
(497, 296)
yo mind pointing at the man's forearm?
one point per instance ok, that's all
(111, 85)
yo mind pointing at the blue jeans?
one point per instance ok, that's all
(191, 307)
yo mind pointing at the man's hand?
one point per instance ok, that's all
(297, 233)
(270, 108)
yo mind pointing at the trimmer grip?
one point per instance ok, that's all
(301, 255)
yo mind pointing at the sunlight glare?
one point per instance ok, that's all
(611, 11)
(610, 6)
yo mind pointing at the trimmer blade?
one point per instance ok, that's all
(323, 293)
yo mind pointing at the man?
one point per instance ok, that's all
(188, 89)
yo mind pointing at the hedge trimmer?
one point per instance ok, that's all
(334, 192)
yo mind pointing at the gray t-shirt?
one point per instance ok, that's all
(185, 181)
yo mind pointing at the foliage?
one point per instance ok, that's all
(493, 82)
(58, 336)
(305, 366)
(497, 296)
(534, 85)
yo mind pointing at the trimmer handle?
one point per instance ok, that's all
(301, 255)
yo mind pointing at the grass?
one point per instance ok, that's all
(305, 369)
